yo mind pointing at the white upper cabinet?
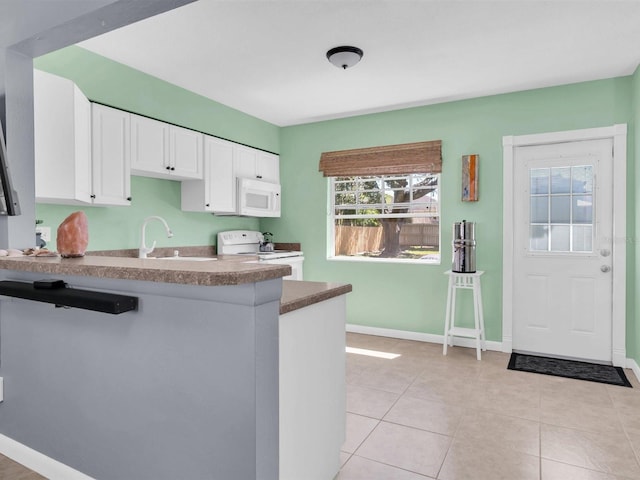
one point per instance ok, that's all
(111, 156)
(224, 162)
(244, 159)
(216, 192)
(252, 163)
(185, 154)
(268, 167)
(149, 146)
(62, 131)
(162, 150)
(81, 150)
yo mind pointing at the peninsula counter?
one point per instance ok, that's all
(224, 371)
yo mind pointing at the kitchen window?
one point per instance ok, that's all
(385, 202)
(385, 218)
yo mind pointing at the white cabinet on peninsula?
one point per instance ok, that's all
(81, 156)
(312, 390)
(224, 163)
(111, 159)
(62, 132)
(161, 150)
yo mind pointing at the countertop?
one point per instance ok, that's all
(298, 294)
(226, 270)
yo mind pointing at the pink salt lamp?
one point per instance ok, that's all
(73, 236)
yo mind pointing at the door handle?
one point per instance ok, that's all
(605, 268)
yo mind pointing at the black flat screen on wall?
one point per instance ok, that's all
(9, 204)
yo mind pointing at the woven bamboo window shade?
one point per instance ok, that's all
(421, 157)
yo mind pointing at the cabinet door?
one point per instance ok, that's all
(62, 141)
(252, 163)
(111, 156)
(244, 161)
(149, 147)
(268, 167)
(185, 158)
(221, 177)
(216, 192)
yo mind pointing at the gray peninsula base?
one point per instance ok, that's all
(185, 387)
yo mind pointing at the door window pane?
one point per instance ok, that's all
(561, 209)
(560, 240)
(583, 209)
(561, 180)
(582, 179)
(582, 238)
(539, 181)
(540, 209)
(538, 238)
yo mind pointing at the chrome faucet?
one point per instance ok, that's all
(144, 250)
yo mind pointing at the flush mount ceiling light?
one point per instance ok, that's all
(344, 57)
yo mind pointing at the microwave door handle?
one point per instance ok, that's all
(276, 201)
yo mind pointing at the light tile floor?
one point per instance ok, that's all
(424, 415)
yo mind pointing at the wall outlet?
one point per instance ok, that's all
(45, 233)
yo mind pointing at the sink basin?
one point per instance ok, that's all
(188, 259)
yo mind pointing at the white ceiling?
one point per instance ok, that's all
(267, 57)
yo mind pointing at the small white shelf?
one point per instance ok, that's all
(464, 281)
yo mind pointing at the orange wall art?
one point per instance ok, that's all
(470, 177)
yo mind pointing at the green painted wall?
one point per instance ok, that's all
(412, 297)
(117, 85)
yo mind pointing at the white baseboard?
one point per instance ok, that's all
(420, 337)
(635, 368)
(38, 462)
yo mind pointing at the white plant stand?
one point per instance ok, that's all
(465, 281)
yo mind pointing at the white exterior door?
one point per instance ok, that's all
(563, 242)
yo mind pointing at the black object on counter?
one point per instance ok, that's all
(49, 284)
(54, 291)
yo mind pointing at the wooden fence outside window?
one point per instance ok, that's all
(354, 240)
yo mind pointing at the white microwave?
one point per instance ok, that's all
(257, 198)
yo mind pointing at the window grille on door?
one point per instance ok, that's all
(561, 209)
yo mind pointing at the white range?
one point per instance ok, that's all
(247, 242)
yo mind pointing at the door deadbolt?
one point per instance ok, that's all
(605, 268)
(605, 253)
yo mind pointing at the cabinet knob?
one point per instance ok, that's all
(168, 168)
(129, 199)
(173, 168)
(258, 176)
(207, 205)
(92, 196)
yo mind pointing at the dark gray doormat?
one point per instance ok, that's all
(591, 372)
